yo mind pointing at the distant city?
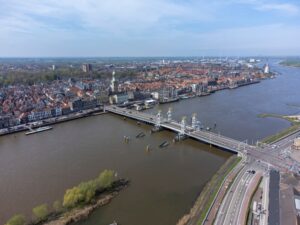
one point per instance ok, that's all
(49, 90)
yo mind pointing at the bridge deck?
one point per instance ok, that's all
(203, 136)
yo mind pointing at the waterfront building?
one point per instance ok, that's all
(167, 94)
(266, 69)
(4, 121)
(39, 115)
(118, 98)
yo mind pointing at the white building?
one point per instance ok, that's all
(267, 69)
(114, 85)
(118, 98)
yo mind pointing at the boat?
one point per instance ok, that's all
(168, 100)
(38, 130)
(114, 223)
(140, 135)
(164, 144)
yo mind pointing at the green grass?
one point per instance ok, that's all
(216, 181)
(295, 125)
(276, 137)
(251, 200)
(295, 63)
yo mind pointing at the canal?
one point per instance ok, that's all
(38, 169)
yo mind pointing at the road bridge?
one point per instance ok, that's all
(264, 154)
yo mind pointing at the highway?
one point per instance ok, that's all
(232, 201)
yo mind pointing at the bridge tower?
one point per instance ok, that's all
(194, 121)
(169, 114)
(158, 119)
(182, 125)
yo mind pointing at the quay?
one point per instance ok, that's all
(51, 121)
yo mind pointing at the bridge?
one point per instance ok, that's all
(181, 128)
(265, 154)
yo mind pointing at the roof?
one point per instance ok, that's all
(297, 203)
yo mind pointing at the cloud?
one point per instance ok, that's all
(108, 15)
(142, 27)
(270, 5)
(284, 8)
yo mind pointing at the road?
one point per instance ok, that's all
(234, 206)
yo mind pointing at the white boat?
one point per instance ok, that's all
(40, 129)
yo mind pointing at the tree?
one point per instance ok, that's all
(18, 219)
(86, 191)
(106, 178)
(41, 212)
(57, 206)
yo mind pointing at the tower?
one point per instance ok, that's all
(169, 114)
(182, 125)
(158, 119)
(194, 121)
(267, 69)
(114, 83)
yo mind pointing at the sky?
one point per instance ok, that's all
(108, 28)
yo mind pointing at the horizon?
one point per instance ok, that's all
(165, 57)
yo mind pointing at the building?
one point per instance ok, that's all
(118, 98)
(4, 122)
(266, 69)
(167, 93)
(39, 115)
(114, 85)
(297, 143)
(86, 67)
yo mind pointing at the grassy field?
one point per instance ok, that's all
(295, 125)
(294, 63)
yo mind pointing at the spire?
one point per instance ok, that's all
(113, 75)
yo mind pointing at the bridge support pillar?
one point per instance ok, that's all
(169, 115)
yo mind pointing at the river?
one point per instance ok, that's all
(38, 169)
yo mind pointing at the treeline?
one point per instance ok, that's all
(30, 78)
(295, 63)
(78, 196)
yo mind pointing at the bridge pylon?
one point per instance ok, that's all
(158, 119)
(182, 125)
(195, 123)
(169, 115)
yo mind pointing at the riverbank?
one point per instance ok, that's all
(207, 197)
(290, 63)
(78, 202)
(295, 127)
(51, 121)
(81, 213)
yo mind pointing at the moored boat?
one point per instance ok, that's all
(38, 130)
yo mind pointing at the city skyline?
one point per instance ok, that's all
(158, 28)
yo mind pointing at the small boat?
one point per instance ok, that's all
(164, 144)
(40, 129)
(114, 223)
(140, 135)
